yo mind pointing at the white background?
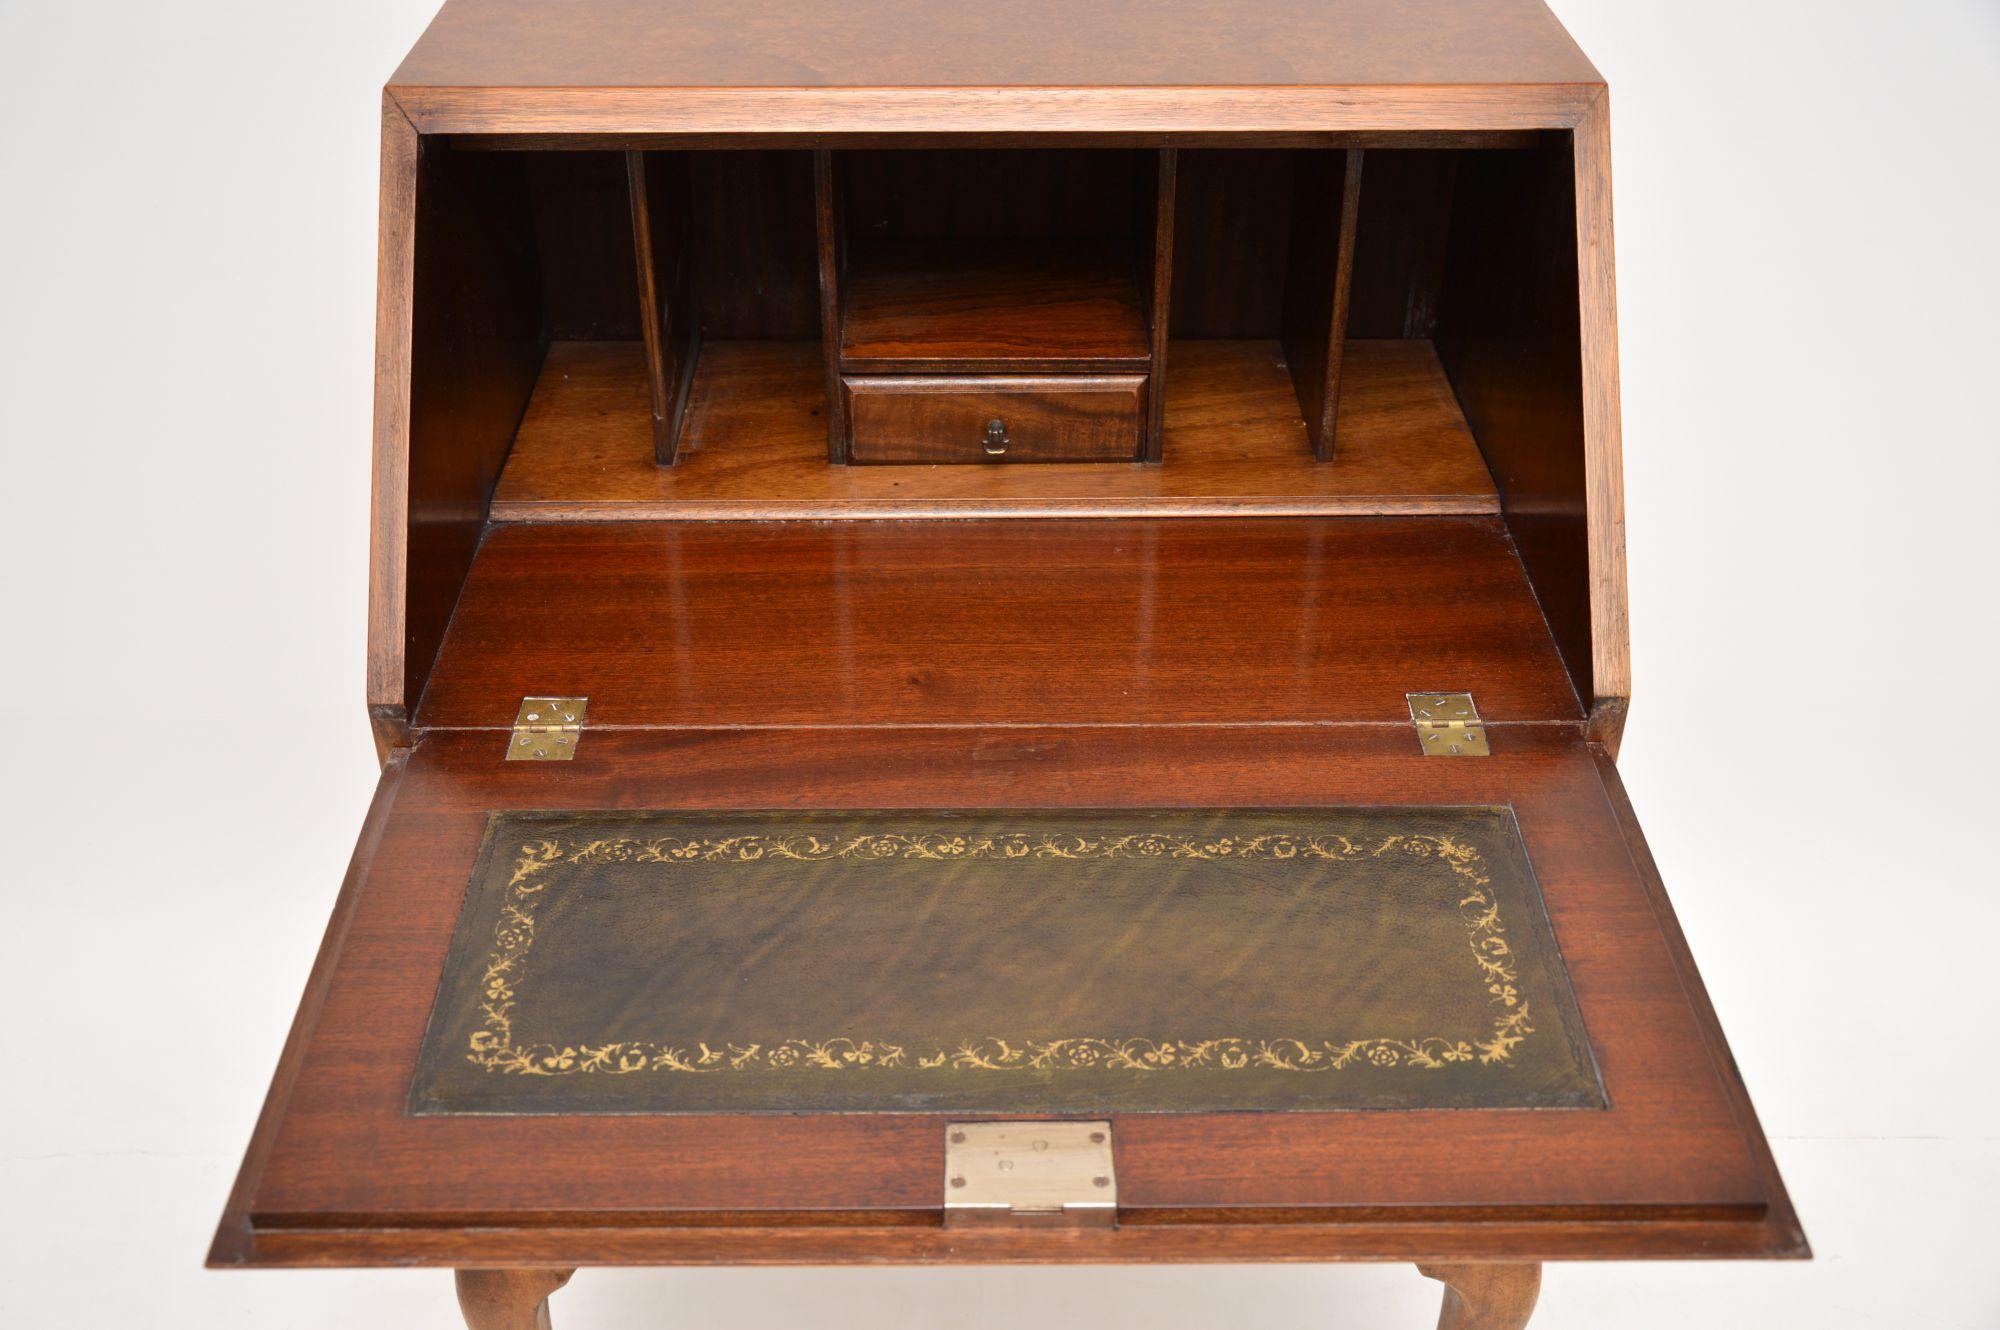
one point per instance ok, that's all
(1806, 211)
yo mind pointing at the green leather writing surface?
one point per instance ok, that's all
(1007, 962)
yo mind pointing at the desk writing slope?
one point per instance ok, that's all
(998, 633)
(1652, 1139)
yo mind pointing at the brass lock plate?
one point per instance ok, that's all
(1050, 1173)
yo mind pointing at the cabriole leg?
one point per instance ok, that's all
(1486, 1297)
(508, 1299)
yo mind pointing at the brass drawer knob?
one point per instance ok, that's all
(996, 438)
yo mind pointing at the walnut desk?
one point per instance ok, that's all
(997, 633)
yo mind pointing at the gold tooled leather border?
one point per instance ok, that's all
(492, 1044)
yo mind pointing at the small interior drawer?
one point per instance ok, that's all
(995, 418)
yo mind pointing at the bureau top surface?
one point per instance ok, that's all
(1004, 44)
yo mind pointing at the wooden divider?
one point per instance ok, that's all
(1326, 208)
(661, 225)
(1160, 282)
(829, 228)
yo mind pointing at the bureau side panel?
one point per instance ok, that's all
(459, 342)
(1509, 334)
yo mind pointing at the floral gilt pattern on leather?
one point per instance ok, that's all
(661, 916)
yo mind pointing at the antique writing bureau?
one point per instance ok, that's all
(997, 633)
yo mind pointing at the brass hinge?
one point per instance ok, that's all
(1448, 725)
(1055, 1173)
(546, 729)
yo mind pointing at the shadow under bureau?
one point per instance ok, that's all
(998, 635)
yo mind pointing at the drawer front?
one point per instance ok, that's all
(995, 418)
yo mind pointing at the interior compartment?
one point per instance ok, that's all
(980, 304)
(993, 260)
(673, 332)
(1200, 268)
(977, 264)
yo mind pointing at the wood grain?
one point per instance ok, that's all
(756, 445)
(1508, 335)
(582, 204)
(460, 345)
(1603, 451)
(661, 224)
(829, 228)
(1494, 1296)
(1158, 274)
(647, 1244)
(508, 1299)
(476, 352)
(986, 305)
(996, 116)
(1207, 659)
(950, 418)
(947, 191)
(1233, 214)
(1667, 1168)
(389, 701)
(1400, 243)
(1040, 44)
(756, 260)
(1319, 282)
(1046, 622)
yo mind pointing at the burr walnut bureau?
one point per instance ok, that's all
(997, 634)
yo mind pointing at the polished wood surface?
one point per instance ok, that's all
(1157, 281)
(952, 418)
(756, 261)
(748, 223)
(1215, 658)
(460, 343)
(756, 445)
(350, 1176)
(782, 117)
(766, 72)
(945, 190)
(1497, 1296)
(1256, 620)
(661, 225)
(830, 246)
(508, 1299)
(1529, 281)
(980, 304)
(755, 231)
(1041, 44)
(583, 238)
(1399, 244)
(390, 698)
(1319, 281)
(1603, 453)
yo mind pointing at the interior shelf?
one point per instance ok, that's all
(985, 305)
(755, 444)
